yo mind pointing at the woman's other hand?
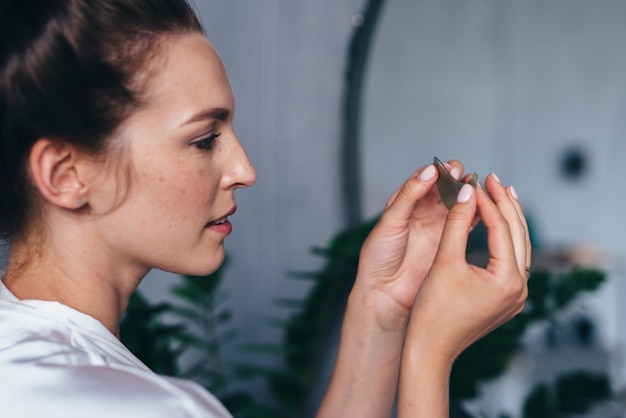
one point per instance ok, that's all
(458, 303)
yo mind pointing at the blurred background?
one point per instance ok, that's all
(533, 90)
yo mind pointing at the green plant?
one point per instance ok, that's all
(209, 330)
(573, 393)
(206, 331)
(145, 334)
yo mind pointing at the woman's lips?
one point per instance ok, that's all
(222, 225)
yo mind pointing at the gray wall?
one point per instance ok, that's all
(509, 86)
(506, 87)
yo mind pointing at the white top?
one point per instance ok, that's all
(58, 362)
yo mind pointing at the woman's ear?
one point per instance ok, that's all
(56, 172)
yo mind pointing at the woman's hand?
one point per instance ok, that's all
(401, 248)
(458, 303)
(393, 263)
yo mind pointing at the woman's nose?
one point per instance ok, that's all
(243, 173)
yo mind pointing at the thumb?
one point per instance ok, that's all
(458, 225)
(402, 203)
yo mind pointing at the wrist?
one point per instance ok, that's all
(378, 310)
(424, 382)
(426, 343)
(370, 350)
(427, 356)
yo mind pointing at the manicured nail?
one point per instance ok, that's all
(496, 178)
(456, 173)
(428, 173)
(465, 193)
(513, 192)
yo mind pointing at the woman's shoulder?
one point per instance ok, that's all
(103, 391)
(60, 364)
(43, 332)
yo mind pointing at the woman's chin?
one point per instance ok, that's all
(207, 267)
(203, 267)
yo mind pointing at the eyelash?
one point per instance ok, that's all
(206, 143)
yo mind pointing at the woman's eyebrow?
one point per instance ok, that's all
(218, 113)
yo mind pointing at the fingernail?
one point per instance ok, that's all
(456, 173)
(465, 193)
(513, 192)
(428, 173)
(496, 178)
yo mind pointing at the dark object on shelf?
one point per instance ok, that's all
(574, 163)
(585, 330)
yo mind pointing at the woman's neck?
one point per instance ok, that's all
(78, 277)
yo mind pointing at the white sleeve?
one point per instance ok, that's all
(101, 392)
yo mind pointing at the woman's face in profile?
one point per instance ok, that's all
(184, 164)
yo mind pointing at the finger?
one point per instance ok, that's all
(518, 230)
(458, 225)
(520, 212)
(394, 195)
(455, 168)
(402, 202)
(499, 239)
(467, 177)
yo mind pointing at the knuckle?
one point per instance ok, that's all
(458, 214)
(410, 188)
(502, 220)
(521, 295)
(524, 293)
(455, 216)
(392, 199)
(520, 307)
(516, 287)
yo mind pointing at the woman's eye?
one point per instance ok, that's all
(206, 143)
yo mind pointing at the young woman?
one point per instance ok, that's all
(117, 155)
